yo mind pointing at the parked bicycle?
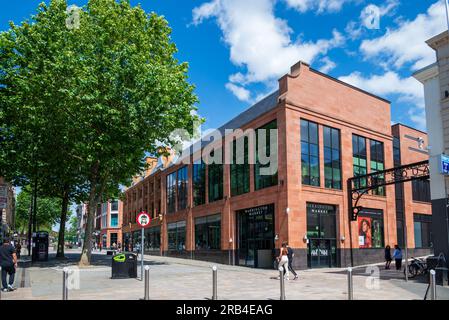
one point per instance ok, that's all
(417, 267)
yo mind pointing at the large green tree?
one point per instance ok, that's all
(38, 138)
(97, 92)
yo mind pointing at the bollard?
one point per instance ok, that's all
(350, 286)
(1, 285)
(65, 290)
(433, 287)
(214, 283)
(147, 283)
(281, 279)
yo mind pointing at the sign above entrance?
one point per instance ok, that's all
(143, 219)
(257, 211)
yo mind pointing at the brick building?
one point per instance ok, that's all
(327, 132)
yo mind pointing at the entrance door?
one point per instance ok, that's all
(256, 236)
(321, 234)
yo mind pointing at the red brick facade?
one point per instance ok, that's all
(303, 94)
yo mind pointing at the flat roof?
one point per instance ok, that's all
(410, 127)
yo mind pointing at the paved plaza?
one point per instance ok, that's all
(172, 278)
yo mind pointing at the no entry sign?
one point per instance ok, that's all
(143, 219)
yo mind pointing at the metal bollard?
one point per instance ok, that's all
(281, 279)
(433, 287)
(214, 283)
(350, 285)
(147, 283)
(65, 289)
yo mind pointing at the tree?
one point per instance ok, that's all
(98, 96)
(37, 137)
(48, 211)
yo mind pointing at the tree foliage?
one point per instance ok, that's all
(81, 106)
(49, 210)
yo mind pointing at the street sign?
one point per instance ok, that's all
(143, 219)
(444, 164)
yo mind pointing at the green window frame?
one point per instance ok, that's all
(183, 183)
(332, 158)
(239, 170)
(310, 154)
(171, 192)
(377, 164)
(199, 183)
(264, 181)
(359, 159)
(215, 183)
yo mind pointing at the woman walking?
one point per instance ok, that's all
(387, 257)
(283, 259)
(397, 256)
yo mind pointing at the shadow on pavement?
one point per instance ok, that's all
(391, 274)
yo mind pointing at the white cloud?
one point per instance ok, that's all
(408, 90)
(319, 6)
(355, 29)
(241, 93)
(259, 42)
(328, 65)
(387, 84)
(406, 43)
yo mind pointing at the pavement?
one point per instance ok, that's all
(184, 279)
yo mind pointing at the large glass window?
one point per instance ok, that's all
(263, 181)
(310, 163)
(321, 221)
(421, 190)
(183, 182)
(215, 175)
(239, 168)
(377, 164)
(152, 238)
(423, 230)
(371, 228)
(332, 158)
(199, 183)
(208, 232)
(359, 159)
(171, 192)
(177, 235)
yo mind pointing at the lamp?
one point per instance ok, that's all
(287, 210)
(305, 238)
(342, 238)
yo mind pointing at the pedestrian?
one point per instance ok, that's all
(18, 249)
(397, 256)
(387, 257)
(283, 260)
(8, 262)
(290, 256)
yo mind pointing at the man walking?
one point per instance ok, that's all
(290, 261)
(8, 262)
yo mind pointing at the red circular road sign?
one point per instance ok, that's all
(143, 219)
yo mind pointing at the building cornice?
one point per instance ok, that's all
(427, 73)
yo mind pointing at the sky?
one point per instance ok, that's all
(237, 50)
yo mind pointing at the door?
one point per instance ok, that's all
(321, 234)
(256, 236)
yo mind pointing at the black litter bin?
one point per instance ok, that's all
(124, 265)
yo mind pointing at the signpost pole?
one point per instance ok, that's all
(141, 256)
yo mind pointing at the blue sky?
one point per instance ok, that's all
(238, 49)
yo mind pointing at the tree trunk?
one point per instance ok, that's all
(30, 226)
(35, 206)
(61, 237)
(92, 208)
